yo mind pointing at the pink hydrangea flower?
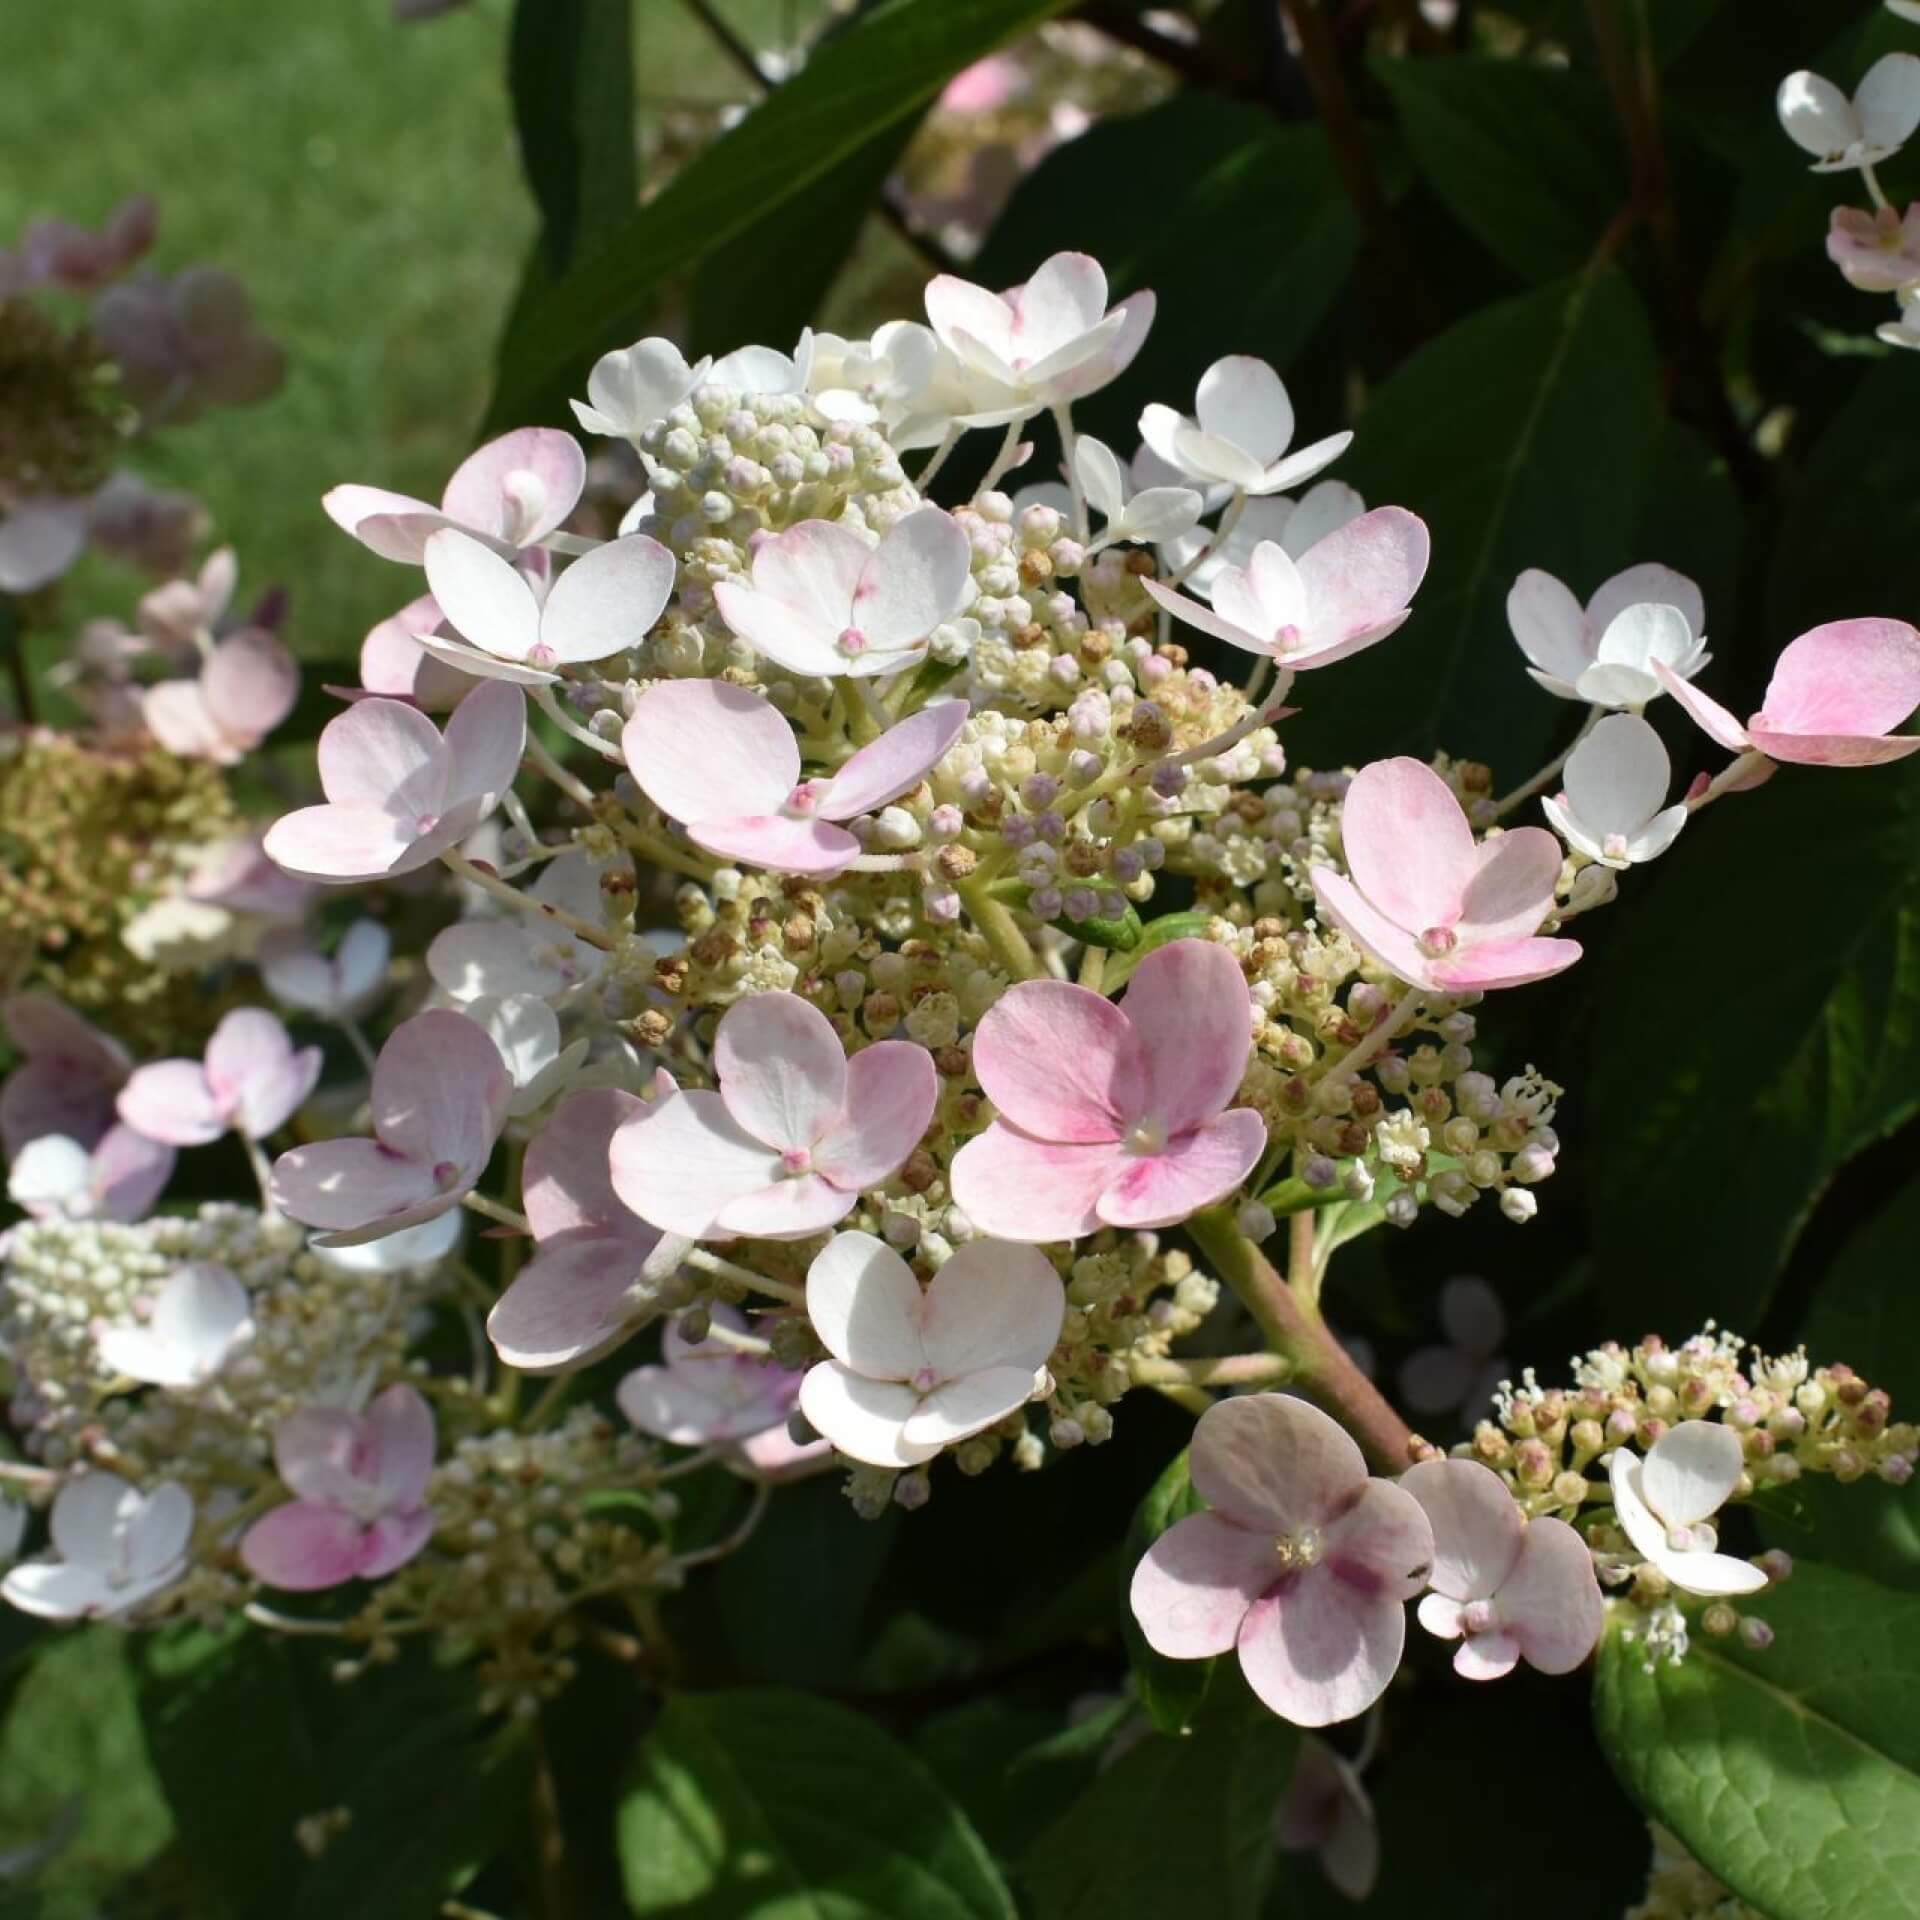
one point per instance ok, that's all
(1241, 432)
(1507, 1588)
(473, 959)
(1112, 1115)
(1326, 1811)
(331, 986)
(794, 1136)
(1428, 903)
(515, 627)
(361, 1485)
(1303, 1565)
(398, 794)
(511, 493)
(1836, 695)
(116, 1548)
(597, 1275)
(1878, 252)
(186, 343)
(1344, 593)
(1842, 134)
(725, 764)
(245, 688)
(708, 1392)
(251, 1079)
(1051, 340)
(438, 1101)
(200, 1317)
(911, 1372)
(1297, 525)
(826, 601)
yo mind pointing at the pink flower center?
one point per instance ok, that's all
(446, 1175)
(1149, 1137)
(852, 640)
(1288, 638)
(1298, 1551)
(799, 803)
(925, 1380)
(426, 823)
(1438, 940)
(1614, 846)
(796, 1161)
(540, 654)
(1479, 1616)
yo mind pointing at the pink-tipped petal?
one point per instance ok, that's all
(1192, 1014)
(250, 683)
(303, 1547)
(1061, 1063)
(1389, 943)
(607, 600)
(392, 1540)
(1477, 1528)
(992, 1305)
(1193, 1586)
(1205, 620)
(865, 1304)
(1409, 847)
(1706, 712)
(128, 1172)
(1314, 1656)
(440, 1091)
(1193, 1170)
(383, 754)
(1550, 1603)
(891, 1093)
(398, 1432)
(894, 764)
(1382, 1544)
(705, 749)
(783, 1072)
(1503, 963)
(787, 1209)
(566, 1184)
(1511, 891)
(1833, 749)
(320, 1453)
(171, 1102)
(520, 487)
(1275, 1464)
(1364, 574)
(1011, 1185)
(679, 1164)
(1851, 677)
(777, 843)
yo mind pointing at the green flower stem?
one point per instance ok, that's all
(1321, 1367)
(1001, 931)
(1227, 1370)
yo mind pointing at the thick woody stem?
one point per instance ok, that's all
(1322, 1368)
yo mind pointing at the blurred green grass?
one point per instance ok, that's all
(362, 178)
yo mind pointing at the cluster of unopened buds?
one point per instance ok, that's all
(1876, 247)
(858, 934)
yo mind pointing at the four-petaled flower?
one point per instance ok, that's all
(1241, 432)
(1113, 1115)
(1346, 592)
(724, 763)
(1303, 1565)
(398, 794)
(251, 1079)
(825, 601)
(1612, 808)
(911, 1371)
(1507, 1588)
(1326, 1811)
(116, 1545)
(1836, 695)
(336, 985)
(794, 1136)
(438, 1101)
(1666, 1502)
(1609, 653)
(1427, 902)
(1878, 252)
(246, 686)
(199, 1319)
(1842, 134)
(360, 1482)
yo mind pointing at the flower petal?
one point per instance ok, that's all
(303, 1547)
(1816, 115)
(249, 684)
(171, 1102)
(1409, 847)
(1503, 963)
(1511, 891)
(485, 599)
(520, 487)
(393, 1540)
(1204, 620)
(398, 1430)
(1193, 1586)
(787, 1209)
(918, 576)
(894, 764)
(865, 1419)
(566, 1183)
(993, 1304)
(1272, 1462)
(1009, 1184)
(1477, 1528)
(956, 1409)
(1061, 1063)
(1384, 940)
(783, 1072)
(1549, 624)
(1243, 400)
(440, 1092)
(681, 1163)
(343, 1186)
(1617, 777)
(1363, 574)
(607, 600)
(340, 843)
(486, 736)
(891, 1092)
(581, 1295)
(705, 749)
(1706, 712)
(1192, 1015)
(1691, 1470)
(866, 1306)
(1850, 677)
(1550, 1603)
(1646, 585)
(1193, 1170)
(1313, 1655)
(384, 754)
(779, 844)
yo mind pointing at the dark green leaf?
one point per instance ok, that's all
(873, 77)
(1768, 1049)
(1114, 936)
(1172, 1691)
(570, 73)
(1237, 223)
(1175, 1825)
(1494, 434)
(1793, 1774)
(1524, 155)
(779, 1805)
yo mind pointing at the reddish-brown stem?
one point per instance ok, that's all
(1322, 1368)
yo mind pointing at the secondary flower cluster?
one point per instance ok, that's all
(851, 936)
